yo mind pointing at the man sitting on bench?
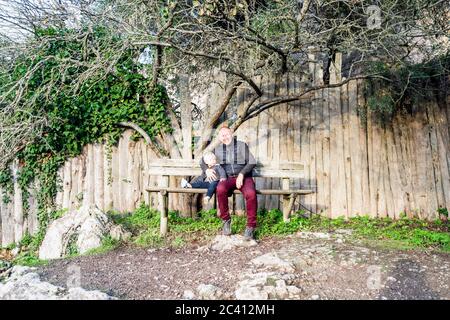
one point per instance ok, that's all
(238, 162)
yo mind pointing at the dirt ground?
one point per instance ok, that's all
(324, 269)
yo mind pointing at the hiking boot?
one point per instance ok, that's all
(248, 233)
(226, 229)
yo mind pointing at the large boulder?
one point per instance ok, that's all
(85, 228)
(25, 284)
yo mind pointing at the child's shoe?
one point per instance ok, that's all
(185, 184)
(206, 200)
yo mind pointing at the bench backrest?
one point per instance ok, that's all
(183, 167)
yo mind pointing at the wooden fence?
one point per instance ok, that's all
(355, 165)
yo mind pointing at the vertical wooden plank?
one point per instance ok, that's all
(115, 177)
(242, 135)
(275, 156)
(401, 136)
(443, 146)
(307, 154)
(107, 177)
(88, 198)
(123, 171)
(60, 193)
(355, 192)
(347, 146)
(326, 157)
(337, 174)
(99, 188)
(17, 206)
(389, 166)
(33, 223)
(363, 148)
(186, 116)
(305, 148)
(286, 213)
(319, 129)
(263, 138)
(372, 164)
(295, 87)
(434, 194)
(81, 176)
(271, 201)
(7, 221)
(74, 164)
(67, 168)
(131, 146)
(410, 128)
(435, 160)
(420, 142)
(136, 176)
(282, 118)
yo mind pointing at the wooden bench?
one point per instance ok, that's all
(182, 167)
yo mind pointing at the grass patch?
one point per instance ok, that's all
(28, 259)
(404, 233)
(144, 225)
(108, 244)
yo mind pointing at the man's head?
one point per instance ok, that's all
(210, 158)
(225, 135)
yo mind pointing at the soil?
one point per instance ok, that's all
(325, 269)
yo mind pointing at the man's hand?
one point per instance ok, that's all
(210, 175)
(239, 180)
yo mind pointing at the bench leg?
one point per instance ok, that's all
(286, 209)
(164, 217)
(163, 200)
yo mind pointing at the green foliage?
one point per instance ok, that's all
(58, 214)
(27, 239)
(401, 233)
(78, 117)
(29, 259)
(403, 87)
(108, 244)
(6, 184)
(443, 212)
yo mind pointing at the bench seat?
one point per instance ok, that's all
(258, 191)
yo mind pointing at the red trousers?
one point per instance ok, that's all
(226, 188)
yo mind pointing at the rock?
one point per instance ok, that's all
(251, 293)
(313, 235)
(315, 297)
(92, 231)
(209, 292)
(119, 233)
(222, 243)
(272, 261)
(391, 279)
(347, 232)
(15, 252)
(82, 294)
(266, 285)
(188, 294)
(24, 284)
(85, 228)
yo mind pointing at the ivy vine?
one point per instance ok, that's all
(92, 115)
